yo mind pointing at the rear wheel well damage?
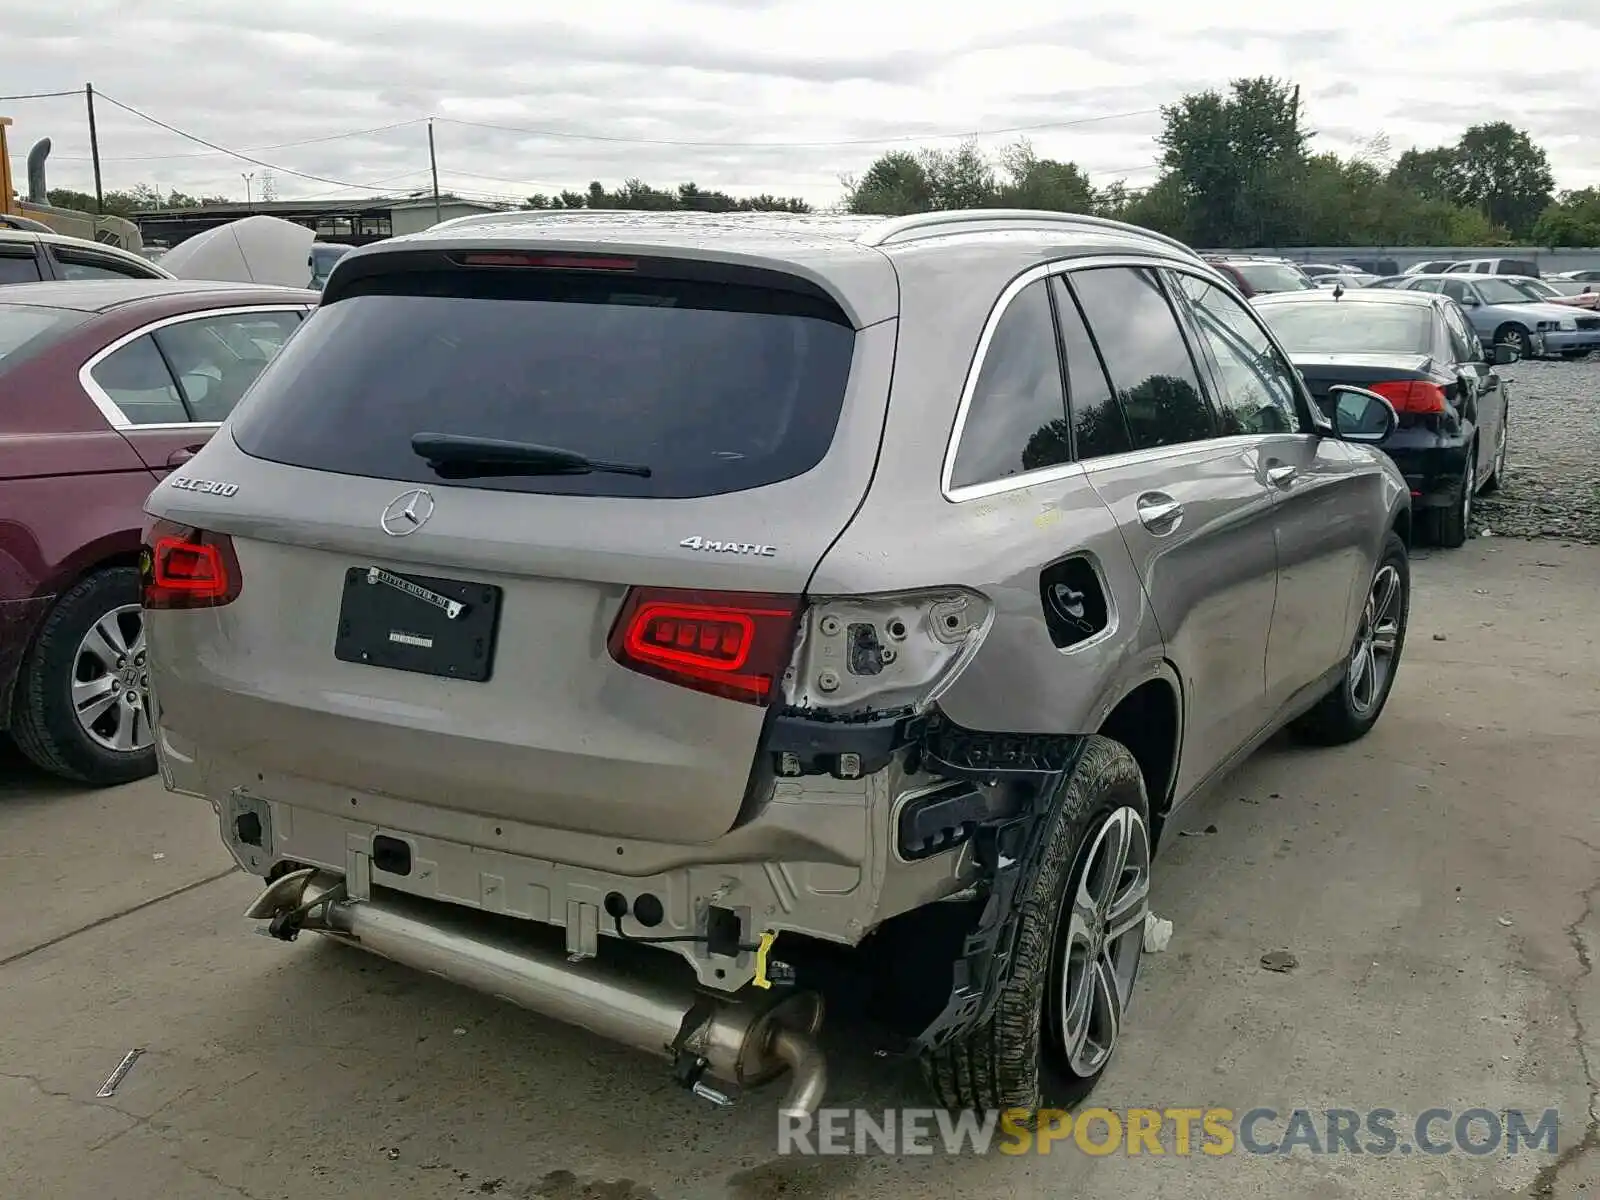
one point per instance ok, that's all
(938, 971)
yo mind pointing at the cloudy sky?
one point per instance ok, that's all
(780, 96)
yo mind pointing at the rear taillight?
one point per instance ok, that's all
(180, 567)
(1411, 395)
(730, 644)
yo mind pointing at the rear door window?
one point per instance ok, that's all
(1097, 425)
(217, 358)
(18, 267)
(75, 264)
(1016, 421)
(136, 380)
(1145, 355)
(716, 387)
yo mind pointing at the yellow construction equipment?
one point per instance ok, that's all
(113, 231)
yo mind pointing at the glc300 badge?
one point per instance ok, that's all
(700, 543)
(211, 487)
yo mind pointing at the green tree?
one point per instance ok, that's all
(1430, 174)
(896, 184)
(1573, 220)
(1239, 160)
(959, 178)
(1042, 183)
(1501, 172)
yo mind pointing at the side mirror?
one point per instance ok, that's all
(1505, 355)
(1360, 415)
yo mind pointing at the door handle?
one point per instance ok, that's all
(1159, 513)
(182, 455)
(1282, 474)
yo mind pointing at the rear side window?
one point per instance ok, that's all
(77, 265)
(1017, 419)
(1145, 355)
(217, 358)
(18, 268)
(715, 387)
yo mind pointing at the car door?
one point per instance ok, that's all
(168, 385)
(1194, 508)
(1322, 506)
(1478, 314)
(1489, 396)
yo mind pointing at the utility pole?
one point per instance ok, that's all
(247, 176)
(94, 150)
(433, 165)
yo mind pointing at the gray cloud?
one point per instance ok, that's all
(531, 102)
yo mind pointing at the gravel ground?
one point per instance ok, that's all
(1552, 487)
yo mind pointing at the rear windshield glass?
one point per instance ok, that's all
(1272, 277)
(25, 327)
(1350, 327)
(714, 387)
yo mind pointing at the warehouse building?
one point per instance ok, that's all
(353, 222)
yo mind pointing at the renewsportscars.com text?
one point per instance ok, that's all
(1179, 1132)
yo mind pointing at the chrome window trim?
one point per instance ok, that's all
(1152, 262)
(108, 407)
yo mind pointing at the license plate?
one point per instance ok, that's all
(418, 623)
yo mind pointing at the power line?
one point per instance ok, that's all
(917, 137)
(43, 95)
(144, 116)
(332, 137)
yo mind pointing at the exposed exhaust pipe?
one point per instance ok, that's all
(742, 1041)
(37, 192)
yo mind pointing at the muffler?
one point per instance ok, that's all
(746, 1042)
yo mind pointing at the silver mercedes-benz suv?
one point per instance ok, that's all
(745, 588)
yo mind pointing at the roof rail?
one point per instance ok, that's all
(950, 221)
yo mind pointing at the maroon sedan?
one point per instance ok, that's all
(105, 388)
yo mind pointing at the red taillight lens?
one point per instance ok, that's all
(730, 644)
(1411, 395)
(181, 567)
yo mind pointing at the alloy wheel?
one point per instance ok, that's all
(1372, 660)
(111, 683)
(1104, 938)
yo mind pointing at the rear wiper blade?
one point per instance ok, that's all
(460, 456)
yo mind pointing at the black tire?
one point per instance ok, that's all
(43, 723)
(1339, 717)
(1449, 525)
(1016, 1060)
(1517, 338)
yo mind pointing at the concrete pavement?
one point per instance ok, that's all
(1437, 882)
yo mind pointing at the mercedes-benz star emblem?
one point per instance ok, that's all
(407, 512)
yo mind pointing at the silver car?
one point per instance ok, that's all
(1511, 312)
(742, 587)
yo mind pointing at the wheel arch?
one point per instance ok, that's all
(1148, 718)
(105, 554)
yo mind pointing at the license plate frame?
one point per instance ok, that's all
(383, 625)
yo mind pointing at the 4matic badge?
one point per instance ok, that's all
(700, 543)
